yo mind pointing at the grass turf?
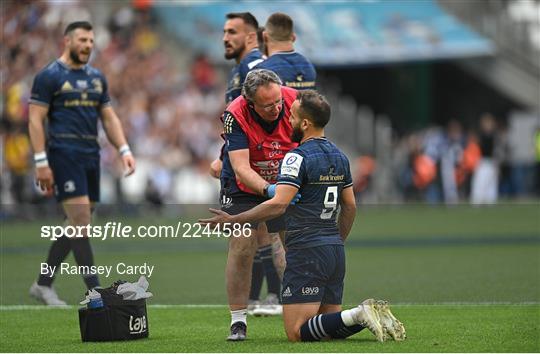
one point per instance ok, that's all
(496, 328)
(406, 255)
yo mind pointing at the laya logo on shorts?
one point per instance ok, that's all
(310, 290)
(69, 186)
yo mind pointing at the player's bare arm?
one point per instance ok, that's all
(215, 168)
(270, 209)
(37, 115)
(244, 172)
(348, 212)
(115, 134)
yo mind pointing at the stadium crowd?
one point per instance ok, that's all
(170, 115)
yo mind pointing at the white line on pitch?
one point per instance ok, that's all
(209, 306)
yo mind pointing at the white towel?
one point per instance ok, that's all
(135, 291)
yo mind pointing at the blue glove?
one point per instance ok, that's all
(296, 198)
(271, 192)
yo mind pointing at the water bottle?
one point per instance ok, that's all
(95, 301)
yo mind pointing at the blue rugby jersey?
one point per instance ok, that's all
(294, 70)
(239, 72)
(75, 98)
(320, 171)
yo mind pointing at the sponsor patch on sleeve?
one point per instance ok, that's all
(291, 164)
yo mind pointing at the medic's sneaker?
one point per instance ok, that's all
(238, 332)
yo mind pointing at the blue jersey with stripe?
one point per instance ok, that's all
(239, 72)
(293, 68)
(74, 98)
(320, 171)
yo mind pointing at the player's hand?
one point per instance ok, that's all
(45, 179)
(129, 164)
(271, 192)
(215, 168)
(221, 217)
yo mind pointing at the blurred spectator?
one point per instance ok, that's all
(470, 158)
(537, 162)
(505, 164)
(484, 189)
(452, 153)
(203, 73)
(420, 171)
(365, 168)
(17, 157)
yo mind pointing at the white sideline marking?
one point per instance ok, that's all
(214, 306)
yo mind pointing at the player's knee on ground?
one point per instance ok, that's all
(293, 333)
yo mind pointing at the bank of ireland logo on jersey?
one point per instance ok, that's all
(82, 84)
(291, 164)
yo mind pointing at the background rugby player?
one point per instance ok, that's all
(72, 96)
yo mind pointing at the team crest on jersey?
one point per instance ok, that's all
(98, 86)
(82, 84)
(291, 164)
(299, 77)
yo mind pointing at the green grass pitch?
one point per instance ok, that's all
(462, 279)
(430, 328)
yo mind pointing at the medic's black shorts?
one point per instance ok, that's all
(239, 202)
